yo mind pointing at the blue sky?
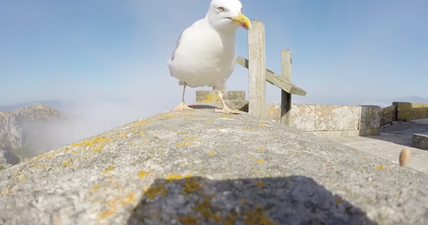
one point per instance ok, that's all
(343, 51)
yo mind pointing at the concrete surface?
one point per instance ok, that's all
(199, 167)
(390, 142)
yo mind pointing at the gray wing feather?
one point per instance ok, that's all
(176, 46)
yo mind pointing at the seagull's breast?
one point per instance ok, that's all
(203, 57)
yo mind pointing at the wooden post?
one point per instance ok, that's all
(257, 70)
(285, 97)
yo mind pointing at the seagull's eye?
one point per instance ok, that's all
(221, 9)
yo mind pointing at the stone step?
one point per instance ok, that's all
(211, 96)
(420, 141)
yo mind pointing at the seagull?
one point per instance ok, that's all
(205, 52)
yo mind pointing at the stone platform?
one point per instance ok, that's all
(420, 141)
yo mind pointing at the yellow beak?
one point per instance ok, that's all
(243, 21)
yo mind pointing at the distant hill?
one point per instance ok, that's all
(52, 103)
(27, 131)
(413, 99)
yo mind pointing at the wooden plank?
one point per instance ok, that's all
(275, 79)
(285, 96)
(256, 71)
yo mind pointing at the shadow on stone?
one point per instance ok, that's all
(289, 200)
(9, 157)
(203, 106)
(215, 105)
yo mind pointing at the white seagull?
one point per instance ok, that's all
(205, 51)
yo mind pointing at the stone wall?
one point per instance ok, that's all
(331, 120)
(407, 111)
(388, 115)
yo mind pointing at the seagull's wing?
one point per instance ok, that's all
(176, 46)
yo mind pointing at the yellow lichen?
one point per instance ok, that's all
(211, 153)
(187, 142)
(174, 176)
(22, 178)
(230, 218)
(142, 122)
(261, 124)
(141, 133)
(112, 204)
(259, 161)
(211, 97)
(154, 191)
(216, 217)
(204, 207)
(382, 168)
(107, 213)
(64, 163)
(142, 174)
(259, 184)
(95, 144)
(177, 176)
(91, 142)
(226, 117)
(190, 138)
(209, 121)
(261, 149)
(109, 168)
(188, 220)
(191, 185)
(129, 199)
(95, 187)
(98, 148)
(257, 216)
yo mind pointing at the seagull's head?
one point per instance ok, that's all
(227, 15)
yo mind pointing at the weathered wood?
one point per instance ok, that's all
(285, 96)
(275, 79)
(256, 70)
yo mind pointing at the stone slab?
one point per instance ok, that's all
(200, 167)
(420, 141)
(370, 117)
(334, 117)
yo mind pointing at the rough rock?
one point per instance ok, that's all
(20, 128)
(200, 167)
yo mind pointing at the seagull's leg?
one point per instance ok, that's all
(225, 108)
(182, 106)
